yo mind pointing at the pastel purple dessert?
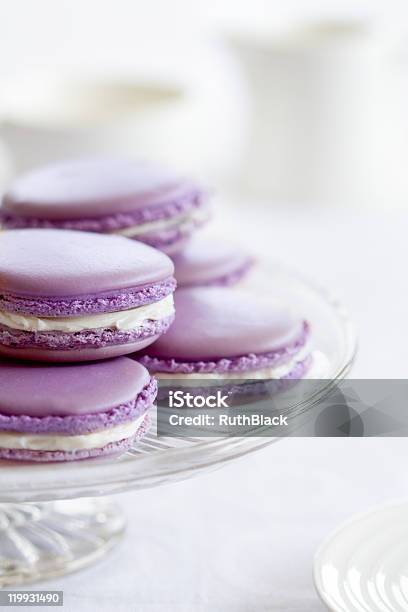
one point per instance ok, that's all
(226, 333)
(76, 296)
(67, 412)
(204, 262)
(137, 199)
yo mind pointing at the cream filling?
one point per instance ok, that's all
(98, 439)
(261, 374)
(183, 222)
(124, 320)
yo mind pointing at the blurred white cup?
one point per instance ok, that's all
(45, 118)
(327, 121)
(176, 120)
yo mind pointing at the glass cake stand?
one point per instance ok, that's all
(53, 517)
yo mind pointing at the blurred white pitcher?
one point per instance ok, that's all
(327, 120)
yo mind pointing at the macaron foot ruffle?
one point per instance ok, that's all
(86, 339)
(113, 301)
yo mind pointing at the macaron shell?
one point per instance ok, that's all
(169, 242)
(87, 354)
(37, 389)
(46, 262)
(77, 424)
(203, 261)
(92, 187)
(215, 322)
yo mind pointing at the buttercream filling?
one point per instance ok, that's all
(122, 320)
(273, 372)
(98, 439)
(182, 222)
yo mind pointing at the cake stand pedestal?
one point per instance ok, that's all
(42, 540)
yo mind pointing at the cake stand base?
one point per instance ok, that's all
(42, 540)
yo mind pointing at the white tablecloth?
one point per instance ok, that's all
(242, 539)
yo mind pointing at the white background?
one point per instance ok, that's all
(241, 539)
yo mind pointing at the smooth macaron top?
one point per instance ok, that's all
(42, 390)
(92, 187)
(204, 261)
(46, 262)
(215, 322)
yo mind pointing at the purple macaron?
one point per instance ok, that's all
(228, 333)
(78, 296)
(204, 262)
(140, 200)
(67, 412)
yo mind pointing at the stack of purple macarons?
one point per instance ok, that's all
(91, 251)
